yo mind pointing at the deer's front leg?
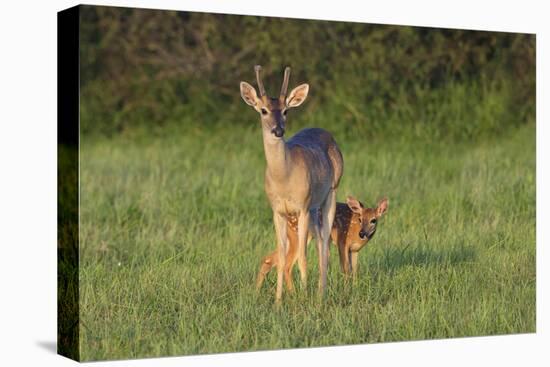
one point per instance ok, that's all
(280, 230)
(303, 226)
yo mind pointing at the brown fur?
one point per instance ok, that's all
(350, 219)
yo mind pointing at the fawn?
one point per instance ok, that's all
(354, 225)
(301, 176)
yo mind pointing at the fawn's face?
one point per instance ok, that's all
(273, 111)
(367, 217)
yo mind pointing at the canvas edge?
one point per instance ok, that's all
(68, 315)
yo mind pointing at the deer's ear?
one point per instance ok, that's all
(382, 207)
(248, 93)
(354, 205)
(297, 96)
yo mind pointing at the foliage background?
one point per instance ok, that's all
(150, 69)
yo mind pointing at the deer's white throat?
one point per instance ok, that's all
(276, 155)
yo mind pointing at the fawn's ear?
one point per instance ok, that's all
(354, 205)
(248, 93)
(382, 207)
(297, 96)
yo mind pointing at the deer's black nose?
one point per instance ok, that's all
(278, 131)
(362, 234)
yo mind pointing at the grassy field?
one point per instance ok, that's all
(173, 228)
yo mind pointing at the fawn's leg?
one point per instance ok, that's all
(291, 256)
(354, 256)
(280, 222)
(303, 227)
(327, 218)
(344, 259)
(348, 253)
(268, 263)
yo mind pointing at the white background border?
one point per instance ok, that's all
(28, 181)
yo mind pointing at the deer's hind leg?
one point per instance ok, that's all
(328, 210)
(301, 241)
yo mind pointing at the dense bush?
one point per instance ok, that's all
(152, 69)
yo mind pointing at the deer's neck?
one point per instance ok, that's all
(276, 155)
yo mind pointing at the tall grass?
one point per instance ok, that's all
(173, 226)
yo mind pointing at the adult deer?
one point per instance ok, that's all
(301, 176)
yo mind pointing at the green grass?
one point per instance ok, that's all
(173, 228)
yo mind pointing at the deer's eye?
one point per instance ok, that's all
(284, 112)
(264, 111)
(360, 220)
(373, 221)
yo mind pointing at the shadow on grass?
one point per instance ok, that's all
(394, 259)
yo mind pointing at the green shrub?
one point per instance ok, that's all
(147, 69)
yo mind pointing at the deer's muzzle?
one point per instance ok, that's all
(278, 131)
